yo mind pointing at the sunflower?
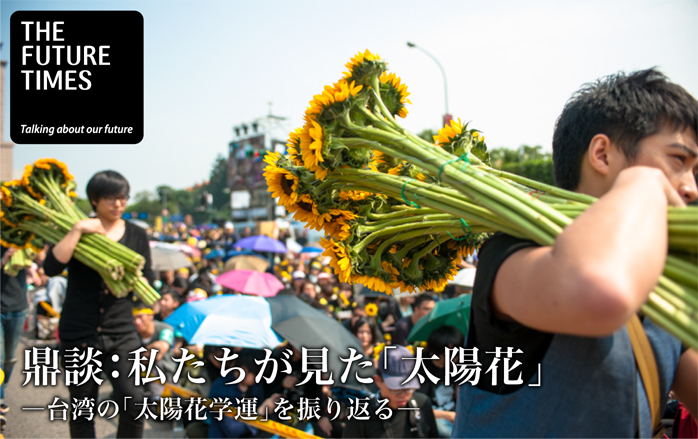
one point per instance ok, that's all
(353, 195)
(5, 194)
(332, 94)
(305, 210)
(311, 144)
(371, 309)
(339, 227)
(28, 179)
(357, 62)
(293, 146)
(53, 164)
(372, 282)
(395, 97)
(282, 183)
(339, 260)
(449, 132)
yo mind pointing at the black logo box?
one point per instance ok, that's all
(108, 96)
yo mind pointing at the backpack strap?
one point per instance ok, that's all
(647, 366)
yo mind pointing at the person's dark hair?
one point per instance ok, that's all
(444, 337)
(626, 108)
(246, 358)
(421, 298)
(106, 184)
(365, 321)
(180, 282)
(167, 291)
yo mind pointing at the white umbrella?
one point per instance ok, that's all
(465, 277)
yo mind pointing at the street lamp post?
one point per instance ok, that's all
(447, 117)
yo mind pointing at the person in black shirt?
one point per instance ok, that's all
(411, 413)
(443, 398)
(92, 316)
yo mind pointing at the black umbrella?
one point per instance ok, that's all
(306, 327)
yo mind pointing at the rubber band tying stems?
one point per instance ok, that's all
(411, 203)
(463, 157)
(464, 225)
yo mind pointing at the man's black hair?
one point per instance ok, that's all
(444, 337)
(107, 184)
(626, 108)
(180, 282)
(246, 358)
(168, 291)
(421, 298)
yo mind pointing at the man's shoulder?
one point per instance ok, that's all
(421, 399)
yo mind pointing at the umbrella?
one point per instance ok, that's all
(140, 223)
(465, 277)
(261, 243)
(250, 282)
(246, 262)
(168, 259)
(367, 292)
(312, 250)
(454, 312)
(213, 254)
(226, 320)
(306, 327)
(233, 253)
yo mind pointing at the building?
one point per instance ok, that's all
(6, 147)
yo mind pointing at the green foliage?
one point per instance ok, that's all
(218, 182)
(84, 205)
(428, 135)
(527, 161)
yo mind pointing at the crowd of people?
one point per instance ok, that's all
(629, 140)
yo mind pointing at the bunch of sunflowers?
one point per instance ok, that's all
(400, 212)
(41, 207)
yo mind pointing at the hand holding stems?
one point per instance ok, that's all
(8, 254)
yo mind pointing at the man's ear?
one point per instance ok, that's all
(600, 154)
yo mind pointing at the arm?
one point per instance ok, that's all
(600, 269)
(161, 346)
(685, 385)
(65, 248)
(443, 414)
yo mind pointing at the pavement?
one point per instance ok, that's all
(36, 424)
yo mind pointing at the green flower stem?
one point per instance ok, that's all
(447, 204)
(686, 294)
(393, 185)
(129, 258)
(666, 319)
(108, 268)
(682, 271)
(415, 220)
(552, 190)
(680, 318)
(401, 213)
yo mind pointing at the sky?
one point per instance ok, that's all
(510, 68)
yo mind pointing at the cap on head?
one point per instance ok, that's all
(394, 370)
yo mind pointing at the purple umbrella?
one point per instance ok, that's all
(261, 243)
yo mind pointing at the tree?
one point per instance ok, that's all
(527, 161)
(218, 182)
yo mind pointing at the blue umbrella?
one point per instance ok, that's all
(217, 253)
(312, 250)
(226, 320)
(261, 243)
